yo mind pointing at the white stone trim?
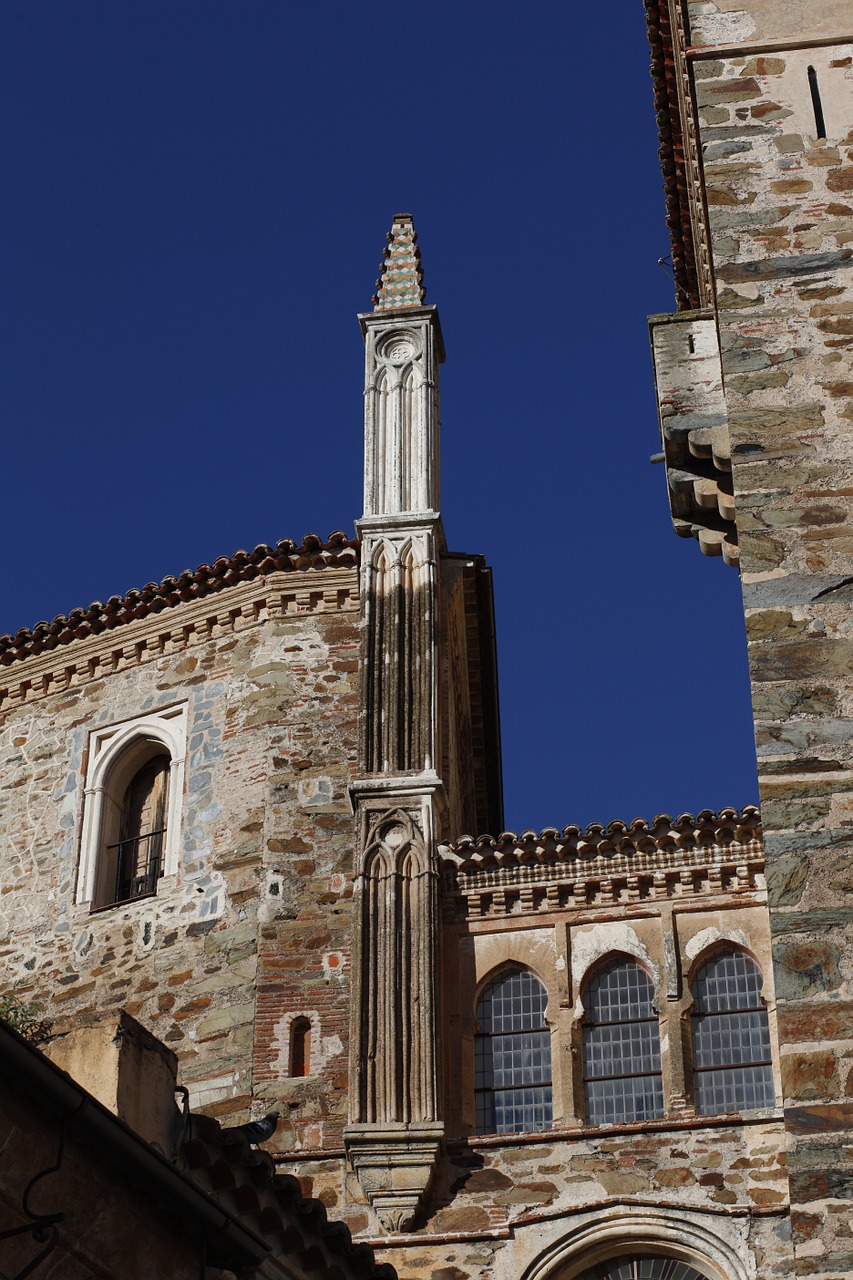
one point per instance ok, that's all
(694, 1238)
(592, 944)
(107, 746)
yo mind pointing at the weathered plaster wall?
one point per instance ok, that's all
(269, 680)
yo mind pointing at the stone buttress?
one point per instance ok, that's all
(395, 1131)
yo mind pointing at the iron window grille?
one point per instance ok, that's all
(639, 1268)
(139, 865)
(135, 861)
(621, 1046)
(732, 1063)
(512, 1056)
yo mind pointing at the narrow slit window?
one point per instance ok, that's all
(513, 1056)
(621, 1045)
(300, 1047)
(732, 1068)
(817, 105)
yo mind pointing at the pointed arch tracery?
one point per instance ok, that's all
(399, 895)
(397, 704)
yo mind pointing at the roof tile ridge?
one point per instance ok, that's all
(748, 818)
(137, 602)
(244, 1178)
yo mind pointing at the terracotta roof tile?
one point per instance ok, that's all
(671, 154)
(192, 584)
(244, 1181)
(685, 832)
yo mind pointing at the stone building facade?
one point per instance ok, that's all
(755, 107)
(235, 803)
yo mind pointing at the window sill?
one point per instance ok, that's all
(125, 902)
(723, 1119)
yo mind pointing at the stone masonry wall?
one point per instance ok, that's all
(500, 1204)
(268, 675)
(714, 1187)
(780, 204)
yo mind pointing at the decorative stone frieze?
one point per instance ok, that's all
(401, 420)
(529, 874)
(192, 584)
(54, 668)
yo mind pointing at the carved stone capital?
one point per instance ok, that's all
(394, 1165)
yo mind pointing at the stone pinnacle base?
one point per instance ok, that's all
(394, 1165)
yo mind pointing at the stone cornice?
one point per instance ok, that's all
(65, 661)
(286, 556)
(685, 857)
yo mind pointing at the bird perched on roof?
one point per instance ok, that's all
(256, 1130)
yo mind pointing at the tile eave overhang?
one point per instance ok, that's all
(710, 829)
(338, 551)
(671, 153)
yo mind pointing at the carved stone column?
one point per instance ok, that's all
(395, 1132)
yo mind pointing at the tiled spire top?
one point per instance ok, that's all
(401, 282)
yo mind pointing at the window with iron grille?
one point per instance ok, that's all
(138, 853)
(512, 1058)
(641, 1268)
(130, 837)
(621, 1045)
(732, 1067)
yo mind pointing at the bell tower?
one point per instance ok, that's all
(395, 1132)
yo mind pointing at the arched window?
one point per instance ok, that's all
(512, 1062)
(732, 1069)
(130, 836)
(621, 1045)
(300, 1047)
(133, 863)
(628, 1267)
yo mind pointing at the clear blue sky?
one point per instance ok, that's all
(196, 199)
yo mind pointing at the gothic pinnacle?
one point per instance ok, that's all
(400, 283)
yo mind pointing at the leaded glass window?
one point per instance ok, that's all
(621, 1045)
(631, 1268)
(512, 1056)
(732, 1069)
